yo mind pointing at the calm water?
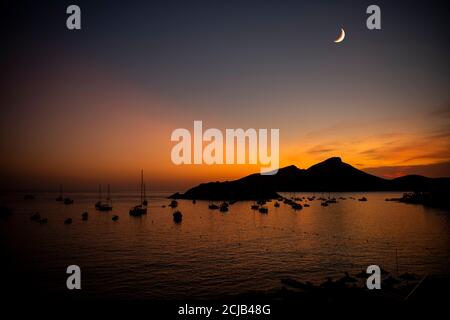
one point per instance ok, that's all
(214, 254)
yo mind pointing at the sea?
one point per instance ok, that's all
(213, 254)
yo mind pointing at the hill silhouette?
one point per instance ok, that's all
(331, 175)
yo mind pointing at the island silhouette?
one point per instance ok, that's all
(331, 175)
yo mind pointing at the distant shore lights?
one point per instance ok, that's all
(241, 147)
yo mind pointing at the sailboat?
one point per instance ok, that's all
(65, 200)
(141, 208)
(105, 206)
(99, 202)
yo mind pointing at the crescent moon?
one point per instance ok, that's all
(341, 36)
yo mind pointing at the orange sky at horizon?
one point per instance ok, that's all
(107, 130)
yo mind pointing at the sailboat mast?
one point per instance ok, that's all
(142, 185)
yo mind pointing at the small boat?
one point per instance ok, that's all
(115, 218)
(324, 204)
(362, 199)
(35, 217)
(297, 206)
(263, 210)
(68, 201)
(255, 207)
(194, 201)
(140, 209)
(213, 206)
(68, 221)
(224, 207)
(177, 216)
(173, 204)
(60, 197)
(99, 202)
(276, 205)
(306, 205)
(105, 206)
(84, 216)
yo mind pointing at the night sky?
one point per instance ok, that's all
(98, 104)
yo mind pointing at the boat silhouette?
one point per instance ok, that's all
(297, 206)
(140, 209)
(107, 205)
(98, 203)
(173, 204)
(263, 210)
(213, 206)
(177, 216)
(224, 207)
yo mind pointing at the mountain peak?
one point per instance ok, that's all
(328, 163)
(333, 160)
